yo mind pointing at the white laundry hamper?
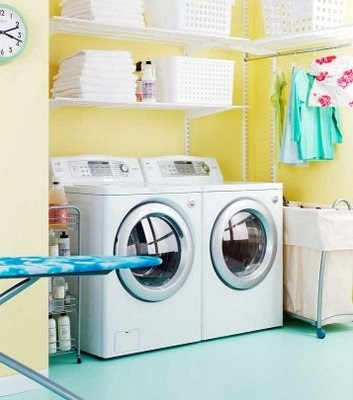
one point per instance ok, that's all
(285, 17)
(211, 16)
(318, 265)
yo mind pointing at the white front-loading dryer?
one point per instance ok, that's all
(241, 258)
(137, 310)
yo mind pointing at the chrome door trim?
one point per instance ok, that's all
(260, 211)
(186, 247)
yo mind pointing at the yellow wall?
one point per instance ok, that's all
(321, 181)
(23, 177)
(143, 133)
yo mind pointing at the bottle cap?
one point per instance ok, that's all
(63, 313)
(50, 315)
(139, 66)
(148, 62)
(64, 235)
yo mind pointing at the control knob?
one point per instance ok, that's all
(124, 168)
(205, 168)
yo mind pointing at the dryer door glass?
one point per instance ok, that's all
(244, 244)
(155, 229)
(154, 235)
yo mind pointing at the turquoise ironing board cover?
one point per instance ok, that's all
(31, 267)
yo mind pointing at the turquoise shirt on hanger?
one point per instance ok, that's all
(315, 129)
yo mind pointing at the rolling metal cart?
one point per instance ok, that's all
(320, 240)
(72, 307)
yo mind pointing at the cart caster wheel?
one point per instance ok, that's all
(320, 333)
(79, 360)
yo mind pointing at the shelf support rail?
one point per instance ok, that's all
(296, 52)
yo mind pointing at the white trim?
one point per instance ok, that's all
(18, 384)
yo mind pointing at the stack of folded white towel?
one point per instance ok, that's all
(111, 12)
(97, 75)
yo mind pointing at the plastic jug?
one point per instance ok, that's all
(58, 217)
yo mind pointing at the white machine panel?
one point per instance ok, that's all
(181, 170)
(93, 170)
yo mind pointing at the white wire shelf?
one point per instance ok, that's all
(332, 36)
(189, 40)
(192, 111)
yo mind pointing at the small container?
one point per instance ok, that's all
(64, 332)
(53, 244)
(52, 335)
(149, 83)
(139, 92)
(58, 218)
(64, 245)
(58, 287)
(67, 294)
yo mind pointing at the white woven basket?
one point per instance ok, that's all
(285, 17)
(192, 80)
(212, 16)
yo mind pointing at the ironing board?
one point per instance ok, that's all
(31, 269)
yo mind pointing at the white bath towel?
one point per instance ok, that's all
(87, 80)
(104, 3)
(120, 12)
(95, 73)
(94, 96)
(111, 21)
(129, 88)
(94, 54)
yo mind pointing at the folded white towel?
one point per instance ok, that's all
(119, 17)
(110, 21)
(99, 65)
(126, 12)
(95, 73)
(130, 86)
(107, 54)
(97, 97)
(84, 80)
(103, 3)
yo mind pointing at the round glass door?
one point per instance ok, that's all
(243, 244)
(157, 230)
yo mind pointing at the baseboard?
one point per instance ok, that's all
(18, 384)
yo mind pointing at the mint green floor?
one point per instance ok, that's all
(279, 364)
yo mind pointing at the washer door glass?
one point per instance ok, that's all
(157, 230)
(243, 244)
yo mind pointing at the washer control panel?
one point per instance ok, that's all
(95, 170)
(181, 170)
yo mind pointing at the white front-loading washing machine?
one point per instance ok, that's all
(241, 258)
(132, 311)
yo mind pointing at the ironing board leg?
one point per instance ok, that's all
(16, 289)
(23, 369)
(36, 377)
(320, 332)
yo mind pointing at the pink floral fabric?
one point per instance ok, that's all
(333, 85)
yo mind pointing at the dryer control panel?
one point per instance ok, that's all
(95, 170)
(181, 170)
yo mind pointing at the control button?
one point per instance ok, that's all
(275, 199)
(206, 168)
(191, 203)
(124, 168)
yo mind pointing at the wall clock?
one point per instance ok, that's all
(13, 33)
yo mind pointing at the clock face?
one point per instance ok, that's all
(13, 33)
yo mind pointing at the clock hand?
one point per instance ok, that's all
(12, 37)
(9, 30)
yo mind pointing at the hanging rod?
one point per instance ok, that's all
(295, 52)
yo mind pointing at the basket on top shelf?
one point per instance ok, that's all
(190, 80)
(286, 17)
(212, 16)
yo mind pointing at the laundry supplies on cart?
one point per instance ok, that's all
(111, 12)
(318, 264)
(96, 75)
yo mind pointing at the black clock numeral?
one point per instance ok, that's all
(2, 13)
(2, 52)
(18, 44)
(19, 35)
(17, 24)
(11, 15)
(10, 50)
